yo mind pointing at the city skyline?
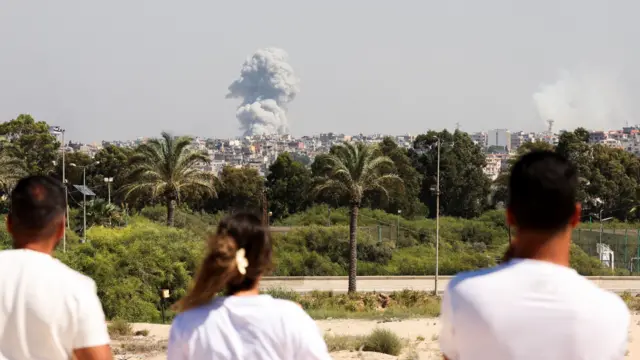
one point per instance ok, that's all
(117, 69)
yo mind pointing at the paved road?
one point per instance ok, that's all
(425, 283)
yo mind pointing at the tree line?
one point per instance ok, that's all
(166, 171)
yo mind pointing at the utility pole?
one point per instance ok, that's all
(398, 226)
(66, 197)
(84, 205)
(435, 290)
(265, 221)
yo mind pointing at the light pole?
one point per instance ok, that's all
(435, 291)
(269, 218)
(66, 192)
(108, 180)
(398, 226)
(84, 199)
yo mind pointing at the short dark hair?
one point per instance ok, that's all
(542, 191)
(36, 202)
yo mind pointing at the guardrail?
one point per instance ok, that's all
(338, 284)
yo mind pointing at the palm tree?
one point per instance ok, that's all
(353, 169)
(166, 168)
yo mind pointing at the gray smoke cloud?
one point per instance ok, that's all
(585, 97)
(267, 83)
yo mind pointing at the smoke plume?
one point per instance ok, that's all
(266, 85)
(584, 97)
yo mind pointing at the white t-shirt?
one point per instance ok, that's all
(46, 309)
(248, 328)
(531, 310)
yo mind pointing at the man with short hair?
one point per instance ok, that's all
(47, 310)
(534, 306)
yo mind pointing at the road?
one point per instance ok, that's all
(338, 284)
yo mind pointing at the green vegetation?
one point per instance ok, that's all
(395, 305)
(380, 340)
(119, 327)
(376, 210)
(383, 341)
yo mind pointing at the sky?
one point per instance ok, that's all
(122, 69)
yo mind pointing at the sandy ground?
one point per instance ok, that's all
(422, 335)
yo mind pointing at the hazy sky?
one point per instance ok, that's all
(120, 69)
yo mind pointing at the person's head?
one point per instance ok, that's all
(224, 267)
(37, 213)
(542, 195)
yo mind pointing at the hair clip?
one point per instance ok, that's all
(241, 261)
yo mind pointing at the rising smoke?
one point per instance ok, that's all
(585, 97)
(266, 85)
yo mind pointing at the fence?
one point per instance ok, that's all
(617, 247)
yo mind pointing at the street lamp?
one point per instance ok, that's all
(109, 180)
(437, 190)
(84, 198)
(398, 226)
(269, 218)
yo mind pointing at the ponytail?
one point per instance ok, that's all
(217, 270)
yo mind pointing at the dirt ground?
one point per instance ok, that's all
(421, 334)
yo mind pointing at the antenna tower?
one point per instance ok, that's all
(550, 128)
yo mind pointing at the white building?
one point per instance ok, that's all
(493, 167)
(480, 138)
(499, 137)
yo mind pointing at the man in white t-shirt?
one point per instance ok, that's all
(533, 306)
(47, 310)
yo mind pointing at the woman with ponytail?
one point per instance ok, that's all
(224, 316)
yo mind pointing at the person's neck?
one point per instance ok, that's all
(38, 246)
(543, 247)
(251, 292)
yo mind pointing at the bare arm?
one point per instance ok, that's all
(102, 352)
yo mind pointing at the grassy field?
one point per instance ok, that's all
(395, 305)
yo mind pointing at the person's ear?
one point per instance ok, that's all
(577, 214)
(510, 219)
(60, 228)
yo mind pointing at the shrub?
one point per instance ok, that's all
(383, 341)
(119, 327)
(344, 342)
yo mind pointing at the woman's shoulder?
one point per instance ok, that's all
(290, 309)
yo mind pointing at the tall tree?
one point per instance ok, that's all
(288, 185)
(404, 196)
(30, 141)
(353, 169)
(167, 167)
(111, 162)
(11, 170)
(240, 189)
(464, 188)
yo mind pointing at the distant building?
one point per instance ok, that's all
(499, 137)
(480, 138)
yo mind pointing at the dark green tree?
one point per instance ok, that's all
(404, 196)
(464, 188)
(288, 186)
(30, 141)
(239, 189)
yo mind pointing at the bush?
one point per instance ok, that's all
(383, 341)
(119, 327)
(344, 342)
